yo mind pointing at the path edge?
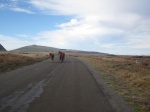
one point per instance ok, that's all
(117, 102)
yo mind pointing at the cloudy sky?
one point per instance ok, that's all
(109, 26)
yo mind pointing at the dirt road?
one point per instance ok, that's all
(57, 87)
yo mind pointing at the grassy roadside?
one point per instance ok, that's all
(10, 61)
(130, 80)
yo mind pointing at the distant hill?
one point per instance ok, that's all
(2, 48)
(79, 51)
(36, 48)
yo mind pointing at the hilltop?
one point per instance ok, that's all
(36, 48)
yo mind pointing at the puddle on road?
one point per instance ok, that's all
(20, 100)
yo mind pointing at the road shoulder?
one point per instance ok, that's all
(114, 99)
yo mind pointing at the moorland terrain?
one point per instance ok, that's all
(128, 75)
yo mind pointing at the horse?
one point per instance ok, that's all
(51, 55)
(61, 56)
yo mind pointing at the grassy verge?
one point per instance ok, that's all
(129, 79)
(10, 61)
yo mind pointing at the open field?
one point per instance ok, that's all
(13, 60)
(128, 75)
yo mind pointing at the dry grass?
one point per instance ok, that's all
(11, 60)
(128, 78)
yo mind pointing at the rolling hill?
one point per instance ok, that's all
(37, 48)
(79, 51)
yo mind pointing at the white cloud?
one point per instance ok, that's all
(94, 22)
(139, 41)
(139, 37)
(86, 7)
(17, 9)
(11, 43)
(2, 5)
(72, 23)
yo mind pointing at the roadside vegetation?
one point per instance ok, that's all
(128, 75)
(11, 60)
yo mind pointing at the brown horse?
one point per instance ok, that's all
(61, 56)
(51, 55)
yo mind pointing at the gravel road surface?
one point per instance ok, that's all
(70, 86)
